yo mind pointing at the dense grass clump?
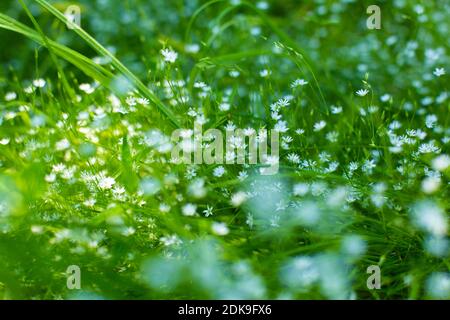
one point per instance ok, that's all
(87, 176)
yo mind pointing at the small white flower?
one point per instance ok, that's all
(62, 144)
(189, 209)
(131, 101)
(128, 231)
(298, 82)
(353, 166)
(224, 106)
(10, 96)
(300, 189)
(219, 171)
(169, 55)
(319, 125)
(58, 168)
(238, 198)
(428, 148)
(264, 73)
(430, 218)
(262, 5)
(362, 92)
(385, 97)
(281, 126)
(86, 88)
(89, 202)
(368, 166)
(208, 211)
(172, 240)
(192, 48)
(293, 157)
(441, 162)
(51, 177)
(220, 228)
(39, 83)
(439, 72)
(336, 110)
(164, 208)
(431, 184)
(430, 120)
(234, 73)
(106, 183)
(143, 101)
(242, 175)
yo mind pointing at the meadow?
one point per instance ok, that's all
(94, 204)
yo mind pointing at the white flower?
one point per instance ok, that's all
(293, 157)
(171, 240)
(283, 102)
(62, 144)
(353, 166)
(281, 126)
(224, 106)
(430, 218)
(106, 183)
(169, 55)
(58, 168)
(262, 5)
(51, 177)
(242, 175)
(189, 209)
(336, 110)
(428, 148)
(249, 131)
(219, 171)
(10, 96)
(385, 97)
(298, 82)
(200, 84)
(430, 184)
(131, 101)
(368, 166)
(234, 73)
(208, 211)
(439, 72)
(238, 198)
(143, 101)
(164, 207)
(220, 228)
(128, 231)
(39, 83)
(192, 48)
(89, 202)
(300, 189)
(430, 120)
(441, 162)
(319, 125)
(87, 88)
(264, 73)
(230, 126)
(362, 92)
(354, 245)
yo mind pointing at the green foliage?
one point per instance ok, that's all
(87, 177)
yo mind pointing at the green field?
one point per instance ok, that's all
(94, 204)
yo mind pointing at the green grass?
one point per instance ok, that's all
(86, 180)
